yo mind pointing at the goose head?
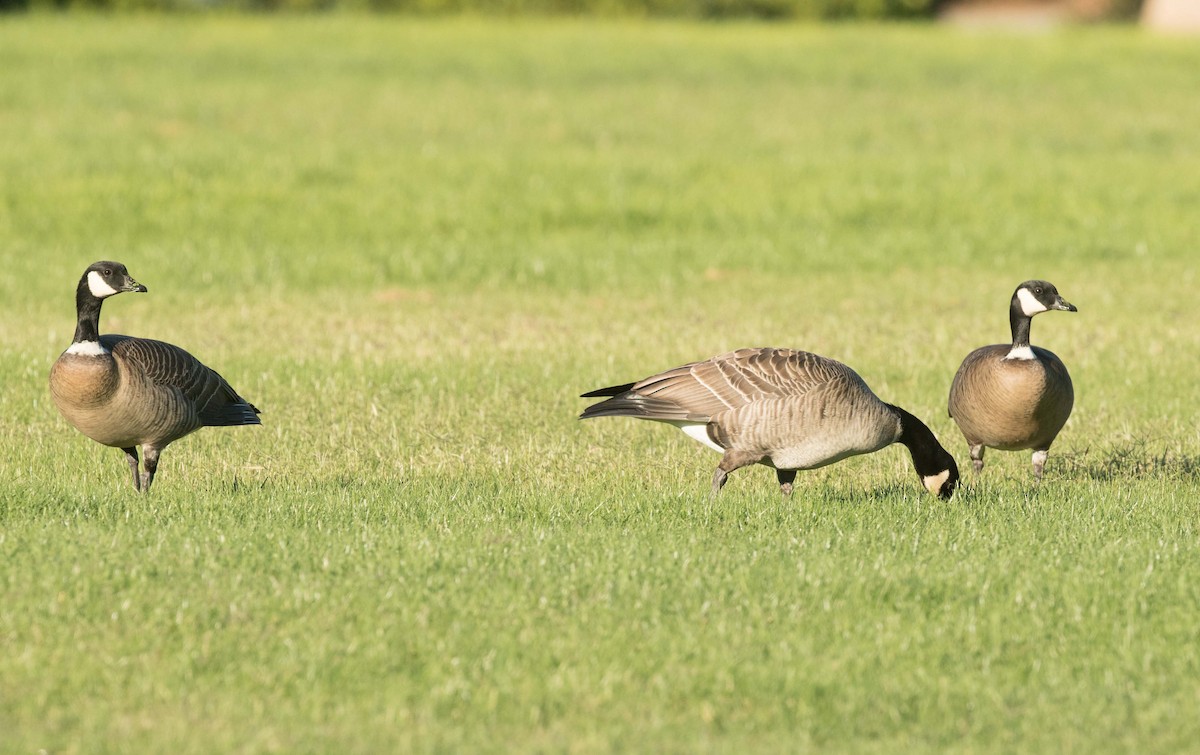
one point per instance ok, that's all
(104, 279)
(1036, 296)
(943, 483)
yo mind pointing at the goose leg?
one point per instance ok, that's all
(131, 455)
(1039, 463)
(151, 467)
(786, 478)
(977, 457)
(719, 478)
(730, 461)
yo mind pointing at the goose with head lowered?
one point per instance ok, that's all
(1018, 396)
(789, 410)
(127, 392)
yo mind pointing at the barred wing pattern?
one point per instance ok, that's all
(216, 402)
(699, 391)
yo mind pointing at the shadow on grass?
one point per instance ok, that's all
(1134, 459)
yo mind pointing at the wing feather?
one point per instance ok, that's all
(701, 390)
(164, 364)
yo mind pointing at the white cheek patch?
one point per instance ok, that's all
(934, 482)
(1020, 352)
(87, 349)
(698, 432)
(1029, 303)
(99, 287)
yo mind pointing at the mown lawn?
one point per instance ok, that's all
(414, 243)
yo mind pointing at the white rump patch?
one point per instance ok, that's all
(99, 287)
(1029, 303)
(87, 349)
(698, 431)
(1020, 352)
(934, 482)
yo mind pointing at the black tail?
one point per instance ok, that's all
(630, 404)
(612, 390)
(231, 414)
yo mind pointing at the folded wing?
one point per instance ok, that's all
(698, 391)
(163, 364)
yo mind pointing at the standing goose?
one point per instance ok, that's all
(1019, 396)
(125, 392)
(788, 410)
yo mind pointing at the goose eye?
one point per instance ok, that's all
(1037, 290)
(107, 271)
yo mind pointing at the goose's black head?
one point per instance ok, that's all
(104, 279)
(943, 483)
(1037, 296)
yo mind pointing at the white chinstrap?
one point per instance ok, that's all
(934, 482)
(1029, 303)
(99, 287)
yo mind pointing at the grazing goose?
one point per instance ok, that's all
(1019, 396)
(785, 409)
(125, 392)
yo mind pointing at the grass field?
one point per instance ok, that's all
(413, 244)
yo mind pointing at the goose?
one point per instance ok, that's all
(1015, 397)
(785, 409)
(127, 392)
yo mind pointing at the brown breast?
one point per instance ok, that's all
(1011, 404)
(83, 387)
(116, 405)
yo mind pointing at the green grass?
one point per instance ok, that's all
(412, 244)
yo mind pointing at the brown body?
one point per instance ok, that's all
(142, 392)
(1019, 396)
(785, 409)
(129, 392)
(1011, 404)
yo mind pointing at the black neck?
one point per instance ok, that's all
(87, 311)
(1018, 321)
(927, 454)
